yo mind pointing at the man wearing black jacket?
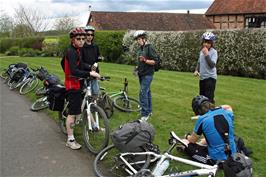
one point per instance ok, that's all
(90, 57)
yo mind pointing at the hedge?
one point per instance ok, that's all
(30, 42)
(241, 52)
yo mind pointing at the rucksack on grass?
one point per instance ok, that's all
(106, 103)
(131, 136)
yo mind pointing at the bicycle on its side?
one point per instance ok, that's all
(93, 118)
(123, 102)
(111, 161)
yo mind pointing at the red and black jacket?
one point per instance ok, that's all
(73, 69)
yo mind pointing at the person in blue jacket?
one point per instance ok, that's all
(216, 124)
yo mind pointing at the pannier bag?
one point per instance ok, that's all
(56, 98)
(106, 103)
(131, 136)
(52, 80)
(238, 165)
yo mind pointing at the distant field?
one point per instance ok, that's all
(172, 93)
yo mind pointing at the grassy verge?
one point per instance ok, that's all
(172, 93)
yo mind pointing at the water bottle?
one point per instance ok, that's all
(159, 170)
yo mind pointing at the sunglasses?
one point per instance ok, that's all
(89, 34)
(79, 39)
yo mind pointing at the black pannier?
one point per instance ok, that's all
(56, 97)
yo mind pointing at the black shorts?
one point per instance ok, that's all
(74, 97)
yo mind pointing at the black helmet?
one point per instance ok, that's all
(197, 102)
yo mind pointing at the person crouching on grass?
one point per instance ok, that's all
(73, 73)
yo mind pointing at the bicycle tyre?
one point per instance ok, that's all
(62, 115)
(127, 105)
(28, 86)
(41, 91)
(4, 75)
(96, 140)
(107, 162)
(40, 104)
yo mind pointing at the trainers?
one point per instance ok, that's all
(73, 144)
(144, 118)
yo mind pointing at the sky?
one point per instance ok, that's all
(80, 8)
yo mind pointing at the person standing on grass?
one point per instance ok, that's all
(90, 56)
(73, 71)
(206, 66)
(146, 59)
(217, 126)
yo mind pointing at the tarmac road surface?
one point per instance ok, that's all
(32, 144)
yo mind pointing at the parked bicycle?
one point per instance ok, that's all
(123, 102)
(32, 80)
(93, 118)
(111, 161)
(43, 103)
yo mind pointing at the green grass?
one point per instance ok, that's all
(172, 93)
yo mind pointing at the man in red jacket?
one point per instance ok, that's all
(73, 73)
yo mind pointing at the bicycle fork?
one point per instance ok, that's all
(92, 123)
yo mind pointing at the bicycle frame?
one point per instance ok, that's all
(204, 168)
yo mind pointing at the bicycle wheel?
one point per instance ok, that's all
(62, 115)
(127, 105)
(40, 104)
(96, 139)
(40, 91)
(29, 85)
(4, 75)
(108, 163)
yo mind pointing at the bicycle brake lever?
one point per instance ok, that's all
(105, 78)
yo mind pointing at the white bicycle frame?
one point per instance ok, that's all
(204, 168)
(88, 108)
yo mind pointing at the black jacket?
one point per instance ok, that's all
(89, 55)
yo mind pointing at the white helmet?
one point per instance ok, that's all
(208, 36)
(140, 33)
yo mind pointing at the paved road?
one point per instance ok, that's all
(32, 144)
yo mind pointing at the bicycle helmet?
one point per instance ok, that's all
(76, 31)
(197, 103)
(140, 33)
(208, 36)
(89, 28)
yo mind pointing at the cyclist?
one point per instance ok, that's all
(206, 66)
(215, 123)
(147, 58)
(73, 71)
(90, 55)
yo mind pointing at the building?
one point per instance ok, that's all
(229, 14)
(148, 21)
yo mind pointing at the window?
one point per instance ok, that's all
(255, 21)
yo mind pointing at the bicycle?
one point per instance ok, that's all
(119, 163)
(32, 80)
(95, 123)
(123, 102)
(43, 103)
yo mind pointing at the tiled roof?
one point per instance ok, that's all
(149, 21)
(220, 7)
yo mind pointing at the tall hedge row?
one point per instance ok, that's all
(241, 52)
(31, 42)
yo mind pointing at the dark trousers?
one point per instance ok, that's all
(207, 88)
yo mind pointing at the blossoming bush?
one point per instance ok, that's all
(241, 52)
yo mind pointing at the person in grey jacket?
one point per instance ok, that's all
(206, 66)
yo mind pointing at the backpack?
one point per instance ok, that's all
(56, 98)
(157, 65)
(132, 136)
(106, 103)
(238, 165)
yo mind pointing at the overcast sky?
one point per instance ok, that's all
(80, 8)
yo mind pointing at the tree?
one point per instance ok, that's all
(6, 24)
(32, 18)
(64, 24)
